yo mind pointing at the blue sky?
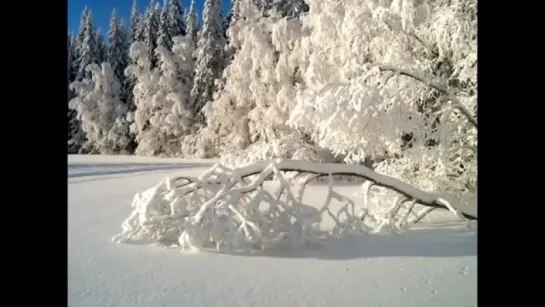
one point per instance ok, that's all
(102, 10)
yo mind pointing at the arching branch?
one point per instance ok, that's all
(441, 87)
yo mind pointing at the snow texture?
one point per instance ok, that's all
(428, 267)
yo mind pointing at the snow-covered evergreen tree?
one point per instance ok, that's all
(192, 23)
(177, 26)
(232, 18)
(102, 48)
(118, 53)
(164, 37)
(101, 112)
(87, 44)
(137, 24)
(136, 35)
(162, 116)
(210, 53)
(151, 27)
(72, 56)
(73, 124)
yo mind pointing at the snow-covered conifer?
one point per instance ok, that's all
(72, 56)
(192, 23)
(177, 26)
(210, 52)
(118, 53)
(86, 48)
(163, 33)
(137, 25)
(151, 27)
(101, 48)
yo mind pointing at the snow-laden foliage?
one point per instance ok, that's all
(192, 23)
(261, 83)
(150, 32)
(210, 52)
(161, 95)
(101, 112)
(137, 24)
(388, 81)
(163, 33)
(225, 210)
(102, 49)
(86, 44)
(117, 51)
(289, 8)
(177, 26)
(75, 138)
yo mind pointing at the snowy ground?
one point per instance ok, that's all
(436, 267)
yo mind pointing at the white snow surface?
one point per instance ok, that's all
(432, 266)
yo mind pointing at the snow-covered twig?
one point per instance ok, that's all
(222, 209)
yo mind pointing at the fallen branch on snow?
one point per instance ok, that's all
(222, 209)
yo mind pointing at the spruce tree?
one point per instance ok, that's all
(163, 34)
(192, 23)
(209, 57)
(176, 21)
(117, 51)
(151, 24)
(137, 34)
(102, 49)
(87, 45)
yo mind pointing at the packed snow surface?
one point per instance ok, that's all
(431, 266)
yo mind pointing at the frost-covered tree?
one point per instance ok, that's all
(73, 124)
(176, 21)
(192, 23)
(102, 49)
(261, 83)
(151, 27)
(389, 82)
(162, 116)
(72, 56)
(117, 53)
(163, 34)
(395, 82)
(126, 94)
(209, 56)
(101, 112)
(86, 44)
(137, 25)
(232, 18)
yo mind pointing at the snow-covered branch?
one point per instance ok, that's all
(236, 210)
(439, 86)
